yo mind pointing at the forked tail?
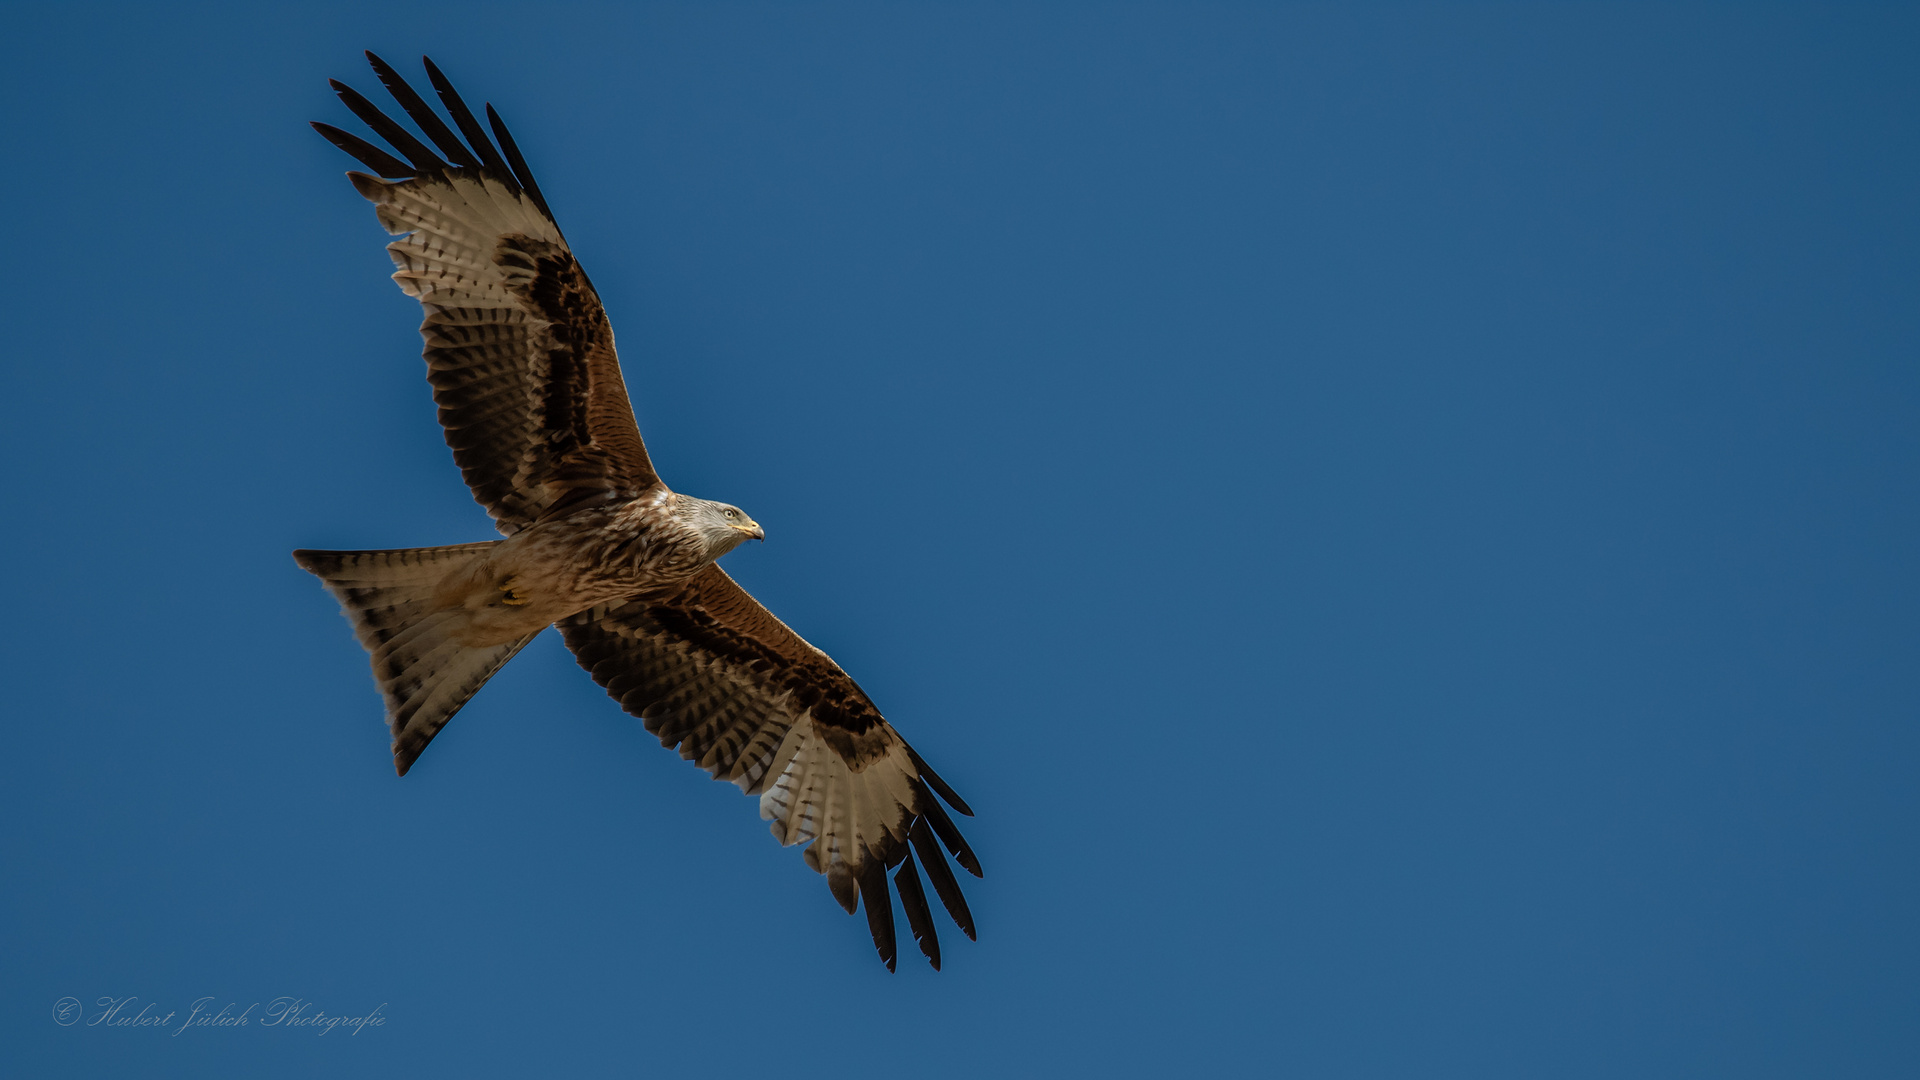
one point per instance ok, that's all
(423, 674)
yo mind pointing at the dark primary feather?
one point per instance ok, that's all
(940, 785)
(919, 917)
(879, 905)
(381, 162)
(416, 151)
(519, 163)
(944, 828)
(420, 158)
(429, 121)
(940, 875)
(424, 159)
(463, 116)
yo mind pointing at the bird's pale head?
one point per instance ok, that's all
(723, 527)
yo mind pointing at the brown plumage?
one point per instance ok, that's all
(521, 359)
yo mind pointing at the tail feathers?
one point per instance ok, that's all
(422, 673)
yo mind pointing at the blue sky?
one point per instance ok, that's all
(1400, 519)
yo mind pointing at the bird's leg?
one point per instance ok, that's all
(514, 597)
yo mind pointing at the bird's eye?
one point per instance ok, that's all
(733, 513)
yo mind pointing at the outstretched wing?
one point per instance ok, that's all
(518, 348)
(714, 674)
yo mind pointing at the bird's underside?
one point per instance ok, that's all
(521, 359)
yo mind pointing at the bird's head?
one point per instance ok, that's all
(724, 527)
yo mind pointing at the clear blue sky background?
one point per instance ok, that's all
(1400, 519)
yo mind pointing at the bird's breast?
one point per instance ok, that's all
(553, 570)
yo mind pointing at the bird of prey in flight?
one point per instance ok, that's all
(520, 356)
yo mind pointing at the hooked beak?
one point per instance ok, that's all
(754, 531)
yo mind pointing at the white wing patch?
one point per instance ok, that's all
(450, 228)
(846, 818)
